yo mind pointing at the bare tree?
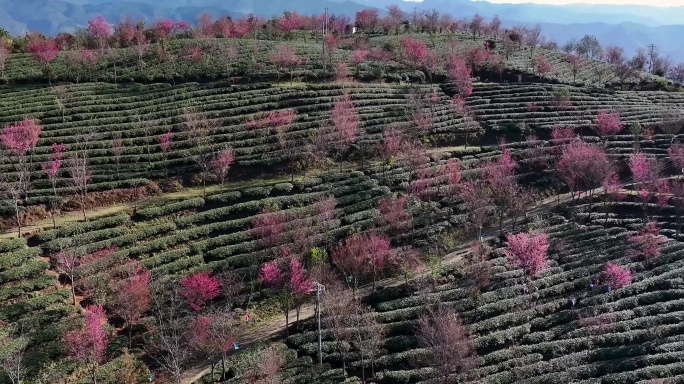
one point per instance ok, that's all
(532, 38)
(199, 129)
(451, 349)
(79, 171)
(167, 344)
(117, 149)
(338, 310)
(61, 97)
(369, 336)
(13, 344)
(146, 126)
(638, 62)
(12, 192)
(569, 46)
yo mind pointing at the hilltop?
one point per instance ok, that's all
(170, 193)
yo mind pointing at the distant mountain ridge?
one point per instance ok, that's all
(628, 26)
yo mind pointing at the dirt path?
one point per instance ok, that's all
(264, 332)
(185, 193)
(277, 327)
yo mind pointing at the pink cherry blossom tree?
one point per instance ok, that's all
(363, 255)
(414, 51)
(285, 55)
(646, 242)
(221, 163)
(100, 30)
(616, 276)
(52, 167)
(528, 251)
(289, 22)
(164, 28)
(542, 66)
(584, 167)
(214, 336)
(460, 73)
(358, 57)
(367, 19)
(125, 31)
(288, 278)
(44, 51)
(199, 288)
(503, 187)
(345, 122)
(394, 216)
(608, 123)
(19, 139)
(269, 228)
(645, 175)
(131, 298)
(88, 343)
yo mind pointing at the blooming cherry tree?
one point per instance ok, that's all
(616, 276)
(647, 242)
(345, 121)
(19, 139)
(221, 163)
(460, 73)
(101, 30)
(131, 298)
(414, 51)
(542, 66)
(199, 288)
(363, 255)
(44, 51)
(528, 251)
(393, 215)
(52, 167)
(289, 279)
(88, 343)
(285, 55)
(608, 123)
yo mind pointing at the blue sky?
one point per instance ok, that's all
(661, 3)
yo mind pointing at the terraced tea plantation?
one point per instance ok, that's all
(213, 204)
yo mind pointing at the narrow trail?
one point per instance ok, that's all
(277, 327)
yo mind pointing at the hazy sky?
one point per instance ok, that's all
(662, 3)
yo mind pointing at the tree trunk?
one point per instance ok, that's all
(363, 368)
(287, 321)
(223, 366)
(17, 217)
(83, 208)
(130, 334)
(73, 292)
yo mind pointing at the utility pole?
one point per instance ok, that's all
(319, 288)
(325, 33)
(651, 55)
